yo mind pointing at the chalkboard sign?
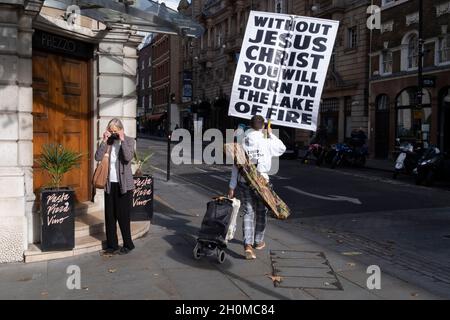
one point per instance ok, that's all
(58, 222)
(142, 207)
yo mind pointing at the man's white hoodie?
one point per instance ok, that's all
(260, 151)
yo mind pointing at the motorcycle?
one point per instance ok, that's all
(407, 159)
(431, 166)
(317, 150)
(353, 155)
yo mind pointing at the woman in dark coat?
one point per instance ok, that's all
(119, 186)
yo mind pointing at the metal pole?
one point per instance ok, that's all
(169, 133)
(421, 54)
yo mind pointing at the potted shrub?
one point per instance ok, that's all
(56, 201)
(142, 208)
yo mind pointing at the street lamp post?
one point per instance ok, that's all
(171, 98)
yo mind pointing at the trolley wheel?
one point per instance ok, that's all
(196, 251)
(221, 255)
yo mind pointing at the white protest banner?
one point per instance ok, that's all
(282, 68)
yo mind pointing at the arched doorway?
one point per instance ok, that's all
(382, 127)
(413, 124)
(444, 120)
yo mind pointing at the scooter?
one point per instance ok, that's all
(431, 167)
(407, 159)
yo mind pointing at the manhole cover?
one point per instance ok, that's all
(303, 270)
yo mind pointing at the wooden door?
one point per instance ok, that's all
(61, 115)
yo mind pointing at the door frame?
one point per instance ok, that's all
(91, 119)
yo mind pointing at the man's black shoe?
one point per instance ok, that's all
(124, 250)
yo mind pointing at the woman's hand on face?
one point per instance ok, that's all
(121, 135)
(106, 135)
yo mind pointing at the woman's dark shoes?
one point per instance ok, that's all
(111, 251)
(124, 250)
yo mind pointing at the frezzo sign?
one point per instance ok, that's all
(282, 68)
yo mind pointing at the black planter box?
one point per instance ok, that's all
(142, 207)
(58, 221)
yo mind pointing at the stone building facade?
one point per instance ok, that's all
(394, 76)
(62, 78)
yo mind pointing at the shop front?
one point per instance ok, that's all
(396, 114)
(65, 71)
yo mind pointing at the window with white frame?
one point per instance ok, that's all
(280, 6)
(413, 51)
(142, 83)
(386, 2)
(352, 37)
(386, 62)
(444, 49)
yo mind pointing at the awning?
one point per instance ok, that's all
(143, 15)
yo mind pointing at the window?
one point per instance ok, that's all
(149, 80)
(333, 61)
(383, 103)
(280, 6)
(413, 51)
(143, 65)
(142, 84)
(351, 37)
(444, 49)
(413, 124)
(386, 62)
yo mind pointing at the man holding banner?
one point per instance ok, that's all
(260, 150)
(279, 78)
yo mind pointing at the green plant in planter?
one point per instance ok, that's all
(57, 161)
(138, 161)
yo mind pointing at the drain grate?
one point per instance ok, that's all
(303, 270)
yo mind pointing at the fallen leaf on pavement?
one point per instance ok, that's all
(275, 278)
(340, 241)
(414, 294)
(85, 288)
(112, 270)
(351, 253)
(351, 264)
(326, 283)
(44, 293)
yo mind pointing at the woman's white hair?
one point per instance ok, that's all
(116, 123)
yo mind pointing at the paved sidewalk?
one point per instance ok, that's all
(162, 265)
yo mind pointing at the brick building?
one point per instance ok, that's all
(213, 59)
(166, 79)
(394, 77)
(144, 80)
